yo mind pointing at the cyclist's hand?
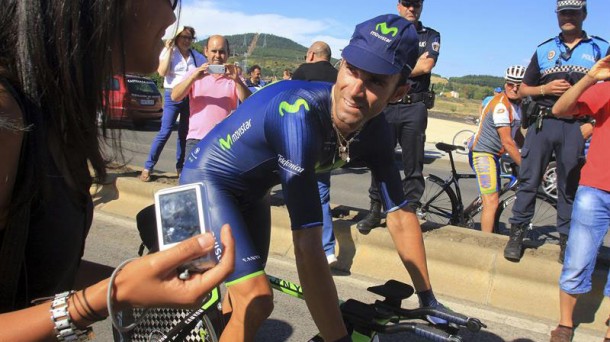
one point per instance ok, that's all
(152, 281)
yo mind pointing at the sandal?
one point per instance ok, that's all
(145, 176)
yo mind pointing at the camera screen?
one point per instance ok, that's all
(179, 216)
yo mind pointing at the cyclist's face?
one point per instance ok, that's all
(512, 90)
(144, 26)
(359, 96)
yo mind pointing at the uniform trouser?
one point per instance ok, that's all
(563, 137)
(171, 109)
(409, 122)
(328, 237)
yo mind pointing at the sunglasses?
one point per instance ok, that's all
(513, 85)
(414, 4)
(174, 4)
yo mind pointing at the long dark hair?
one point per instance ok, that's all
(58, 56)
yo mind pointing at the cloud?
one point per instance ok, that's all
(210, 17)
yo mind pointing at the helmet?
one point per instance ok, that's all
(514, 74)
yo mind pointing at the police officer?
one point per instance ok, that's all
(409, 117)
(557, 64)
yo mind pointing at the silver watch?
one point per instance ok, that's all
(65, 329)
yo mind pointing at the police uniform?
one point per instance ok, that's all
(409, 118)
(547, 134)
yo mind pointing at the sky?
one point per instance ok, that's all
(478, 37)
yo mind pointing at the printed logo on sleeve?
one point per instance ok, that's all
(286, 107)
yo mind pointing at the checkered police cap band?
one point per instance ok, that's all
(571, 5)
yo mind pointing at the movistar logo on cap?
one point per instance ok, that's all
(385, 30)
(286, 107)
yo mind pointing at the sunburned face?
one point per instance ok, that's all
(144, 26)
(358, 96)
(512, 90)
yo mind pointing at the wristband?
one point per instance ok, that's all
(65, 329)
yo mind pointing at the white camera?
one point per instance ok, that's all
(180, 215)
(216, 69)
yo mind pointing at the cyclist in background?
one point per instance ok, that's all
(500, 121)
(282, 135)
(486, 100)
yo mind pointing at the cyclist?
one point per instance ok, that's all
(280, 136)
(500, 121)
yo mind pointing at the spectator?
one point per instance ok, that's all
(50, 91)
(591, 212)
(486, 100)
(317, 67)
(176, 59)
(281, 135)
(255, 82)
(287, 75)
(555, 66)
(500, 123)
(212, 96)
(409, 116)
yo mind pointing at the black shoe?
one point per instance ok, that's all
(372, 219)
(563, 241)
(514, 247)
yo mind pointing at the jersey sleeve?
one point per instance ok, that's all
(294, 133)
(379, 157)
(594, 100)
(500, 115)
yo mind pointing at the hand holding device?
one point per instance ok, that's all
(180, 215)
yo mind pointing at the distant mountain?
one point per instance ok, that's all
(271, 52)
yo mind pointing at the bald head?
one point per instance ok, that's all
(217, 50)
(318, 51)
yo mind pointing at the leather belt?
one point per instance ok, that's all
(415, 97)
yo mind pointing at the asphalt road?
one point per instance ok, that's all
(291, 321)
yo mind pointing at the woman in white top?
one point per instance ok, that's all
(176, 59)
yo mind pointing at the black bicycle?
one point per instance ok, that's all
(442, 202)
(363, 320)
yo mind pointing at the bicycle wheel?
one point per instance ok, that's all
(543, 224)
(462, 138)
(549, 180)
(438, 204)
(207, 332)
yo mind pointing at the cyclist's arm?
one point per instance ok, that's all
(404, 228)
(509, 144)
(318, 286)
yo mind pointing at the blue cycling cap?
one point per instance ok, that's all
(498, 90)
(383, 45)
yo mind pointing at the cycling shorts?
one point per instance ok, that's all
(487, 168)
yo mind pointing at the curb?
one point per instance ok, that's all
(463, 263)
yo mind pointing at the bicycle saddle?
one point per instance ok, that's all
(393, 290)
(448, 148)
